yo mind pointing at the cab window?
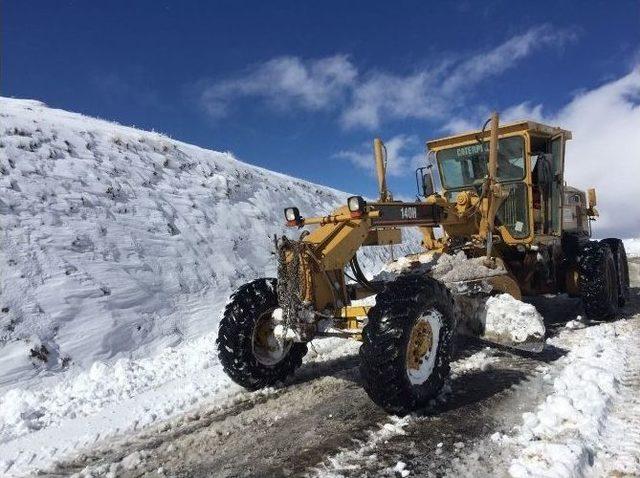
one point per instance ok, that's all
(464, 166)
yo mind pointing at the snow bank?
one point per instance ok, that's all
(24, 411)
(119, 250)
(117, 243)
(44, 424)
(632, 247)
(561, 437)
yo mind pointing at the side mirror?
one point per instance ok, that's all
(427, 184)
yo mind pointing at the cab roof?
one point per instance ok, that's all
(518, 126)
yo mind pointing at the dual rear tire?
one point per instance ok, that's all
(603, 278)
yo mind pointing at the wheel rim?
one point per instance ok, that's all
(267, 349)
(422, 348)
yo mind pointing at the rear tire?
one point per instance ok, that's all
(407, 344)
(245, 351)
(622, 268)
(598, 281)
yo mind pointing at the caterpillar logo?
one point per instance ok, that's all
(471, 150)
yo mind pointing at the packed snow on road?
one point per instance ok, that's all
(119, 250)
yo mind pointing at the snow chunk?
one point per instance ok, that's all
(506, 316)
(480, 360)
(350, 460)
(445, 267)
(577, 323)
(454, 268)
(401, 469)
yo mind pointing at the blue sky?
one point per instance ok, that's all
(302, 87)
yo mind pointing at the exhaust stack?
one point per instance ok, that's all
(381, 169)
(494, 192)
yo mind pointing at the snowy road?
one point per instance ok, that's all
(119, 250)
(298, 427)
(323, 424)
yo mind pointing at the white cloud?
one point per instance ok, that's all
(402, 155)
(366, 99)
(605, 151)
(392, 97)
(475, 116)
(459, 125)
(503, 57)
(521, 111)
(285, 82)
(435, 93)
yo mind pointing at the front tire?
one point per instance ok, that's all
(598, 281)
(407, 344)
(249, 353)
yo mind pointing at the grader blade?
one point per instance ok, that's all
(490, 321)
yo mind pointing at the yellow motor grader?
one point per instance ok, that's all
(501, 202)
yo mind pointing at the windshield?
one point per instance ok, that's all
(461, 166)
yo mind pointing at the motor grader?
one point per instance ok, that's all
(501, 201)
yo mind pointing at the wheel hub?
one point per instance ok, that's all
(419, 344)
(267, 348)
(422, 347)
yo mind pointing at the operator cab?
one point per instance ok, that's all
(530, 168)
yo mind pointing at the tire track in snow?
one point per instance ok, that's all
(593, 437)
(295, 429)
(488, 389)
(619, 450)
(290, 428)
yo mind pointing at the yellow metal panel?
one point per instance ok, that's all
(383, 237)
(505, 284)
(354, 311)
(507, 129)
(342, 245)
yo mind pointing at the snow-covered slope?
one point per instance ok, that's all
(632, 247)
(119, 242)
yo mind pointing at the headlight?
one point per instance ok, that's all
(356, 206)
(292, 215)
